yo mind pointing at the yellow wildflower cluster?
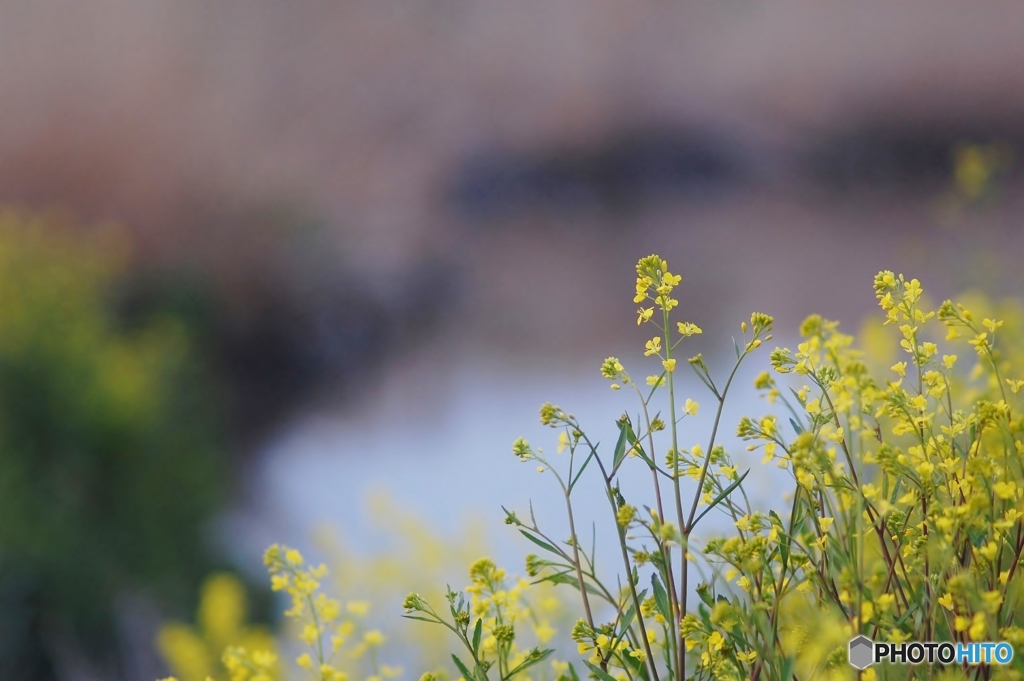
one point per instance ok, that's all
(323, 624)
(195, 653)
(907, 502)
(905, 518)
(491, 623)
(646, 631)
(904, 521)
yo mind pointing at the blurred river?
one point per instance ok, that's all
(435, 436)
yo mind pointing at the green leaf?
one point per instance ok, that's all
(462, 668)
(704, 592)
(703, 379)
(572, 483)
(544, 654)
(601, 674)
(620, 444)
(725, 492)
(627, 619)
(510, 517)
(568, 577)
(637, 669)
(477, 633)
(572, 673)
(796, 426)
(784, 536)
(897, 488)
(541, 543)
(661, 597)
(787, 668)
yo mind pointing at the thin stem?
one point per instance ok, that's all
(676, 601)
(652, 665)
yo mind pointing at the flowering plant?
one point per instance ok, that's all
(904, 520)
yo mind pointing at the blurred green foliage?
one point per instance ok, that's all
(110, 455)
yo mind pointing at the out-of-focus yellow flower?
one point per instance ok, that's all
(195, 652)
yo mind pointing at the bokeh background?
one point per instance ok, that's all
(270, 271)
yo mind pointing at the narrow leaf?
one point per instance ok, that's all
(661, 598)
(725, 492)
(601, 674)
(544, 654)
(620, 444)
(787, 668)
(541, 543)
(462, 668)
(572, 483)
(477, 633)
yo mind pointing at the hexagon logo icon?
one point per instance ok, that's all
(862, 652)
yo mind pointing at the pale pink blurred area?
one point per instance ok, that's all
(177, 118)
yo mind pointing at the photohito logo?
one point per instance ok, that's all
(864, 652)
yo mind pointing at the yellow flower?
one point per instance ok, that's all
(978, 629)
(653, 346)
(989, 551)
(690, 407)
(310, 633)
(563, 441)
(373, 637)
(1005, 490)
(669, 364)
(805, 478)
(991, 600)
(544, 632)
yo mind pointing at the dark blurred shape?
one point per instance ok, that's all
(111, 459)
(23, 650)
(898, 158)
(623, 172)
(290, 325)
(287, 350)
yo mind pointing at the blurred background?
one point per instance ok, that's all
(264, 262)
